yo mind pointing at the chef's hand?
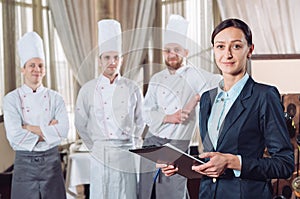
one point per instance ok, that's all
(34, 129)
(37, 130)
(176, 118)
(53, 122)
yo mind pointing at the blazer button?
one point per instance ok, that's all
(214, 180)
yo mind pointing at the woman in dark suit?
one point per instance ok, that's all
(239, 120)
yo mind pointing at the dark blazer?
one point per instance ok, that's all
(254, 122)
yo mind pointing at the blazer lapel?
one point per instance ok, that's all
(236, 110)
(205, 110)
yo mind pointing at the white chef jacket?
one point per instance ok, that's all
(107, 111)
(169, 93)
(108, 117)
(23, 106)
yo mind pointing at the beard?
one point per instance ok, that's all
(174, 65)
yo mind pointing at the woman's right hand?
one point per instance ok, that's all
(168, 170)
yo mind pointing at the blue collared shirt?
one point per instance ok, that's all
(221, 107)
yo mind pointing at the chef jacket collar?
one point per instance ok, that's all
(27, 89)
(182, 69)
(105, 80)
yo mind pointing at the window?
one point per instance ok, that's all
(277, 71)
(65, 84)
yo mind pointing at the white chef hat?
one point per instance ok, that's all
(30, 46)
(176, 31)
(109, 36)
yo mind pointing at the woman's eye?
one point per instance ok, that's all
(237, 46)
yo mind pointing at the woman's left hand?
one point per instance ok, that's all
(215, 166)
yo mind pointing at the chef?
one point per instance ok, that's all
(171, 107)
(108, 118)
(36, 121)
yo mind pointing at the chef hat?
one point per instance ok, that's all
(176, 31)
(30, 46)
(109, 36)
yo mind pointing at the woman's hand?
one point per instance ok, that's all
(168, 170)
(217, 164)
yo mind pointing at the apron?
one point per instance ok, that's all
(113, 170)
(38, 175)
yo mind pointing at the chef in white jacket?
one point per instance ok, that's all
(36, 121)
(171, 108)
(108, 118)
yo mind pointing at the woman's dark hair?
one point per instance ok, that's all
(236, 23)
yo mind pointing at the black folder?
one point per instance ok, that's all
(171, 155)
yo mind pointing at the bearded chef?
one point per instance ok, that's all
(36, 121)
(108, 118)
(171, 107)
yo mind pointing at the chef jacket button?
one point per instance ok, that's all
(214, 180)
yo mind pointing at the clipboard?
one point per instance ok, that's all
(169, 154)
